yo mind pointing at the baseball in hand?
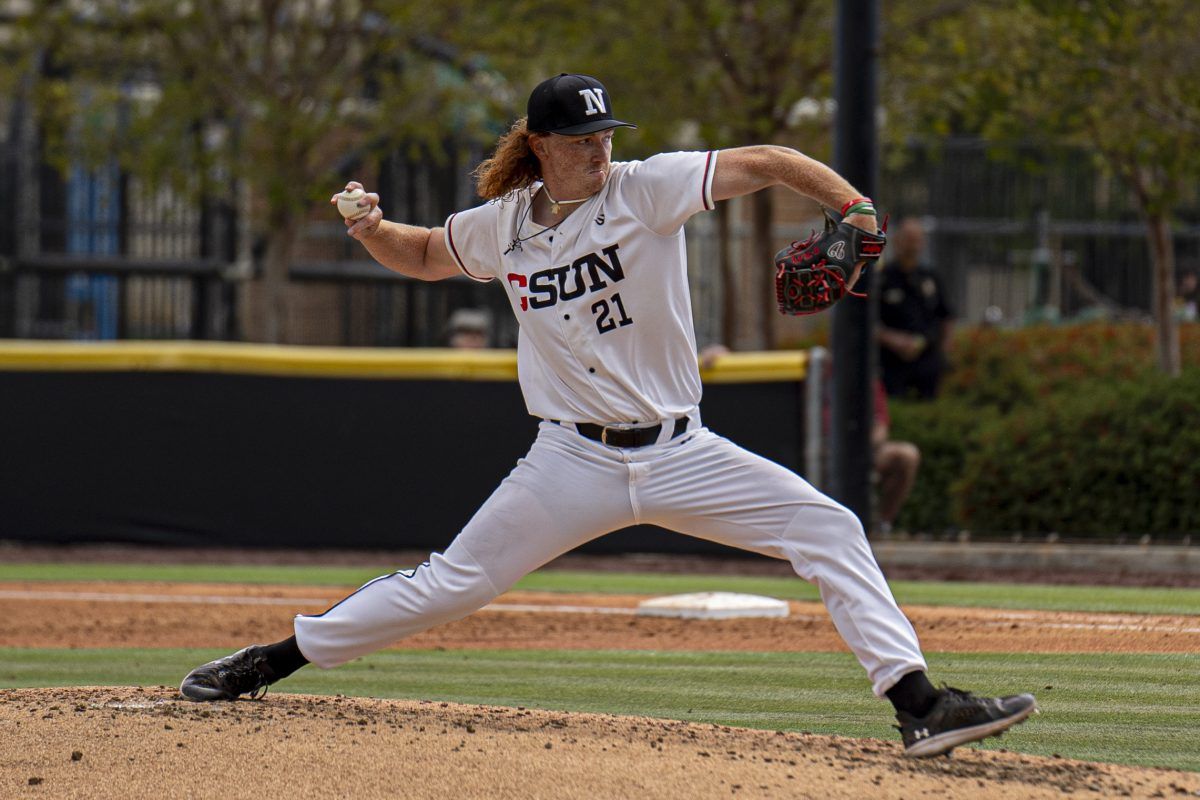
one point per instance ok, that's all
(347, 204)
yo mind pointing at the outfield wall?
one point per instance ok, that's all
(188, 443)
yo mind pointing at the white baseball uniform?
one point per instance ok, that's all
(606, 338)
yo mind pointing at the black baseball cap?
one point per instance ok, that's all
(571, 105)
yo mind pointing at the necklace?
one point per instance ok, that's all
(518, 243)
(556, 204)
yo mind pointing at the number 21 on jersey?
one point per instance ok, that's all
(605, 319)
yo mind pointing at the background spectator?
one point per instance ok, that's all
(914, 319)
(896, 464)
(469, 328)
(710, 353)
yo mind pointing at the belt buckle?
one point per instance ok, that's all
(618, 428)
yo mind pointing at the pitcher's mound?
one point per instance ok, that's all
(98, 742)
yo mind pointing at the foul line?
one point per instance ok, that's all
(1107, 622)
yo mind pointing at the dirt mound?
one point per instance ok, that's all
(102, 742)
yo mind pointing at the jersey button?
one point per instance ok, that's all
(566, 316)
(591, 369)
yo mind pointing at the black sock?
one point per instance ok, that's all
(913, 693)
(284, 658)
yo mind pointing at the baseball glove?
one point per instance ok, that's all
(810, 276)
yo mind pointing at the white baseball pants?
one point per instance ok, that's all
(569, 490)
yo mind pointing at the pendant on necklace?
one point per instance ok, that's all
(554, 209)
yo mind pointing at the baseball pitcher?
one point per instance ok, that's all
(591, 255)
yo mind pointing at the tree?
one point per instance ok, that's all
(730, 72)
(266, 94)
(746, 66)
(1120, 78)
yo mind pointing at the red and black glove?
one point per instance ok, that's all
(810, 276)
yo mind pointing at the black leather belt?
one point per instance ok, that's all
(626, 437)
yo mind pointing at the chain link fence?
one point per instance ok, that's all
(1028, 238)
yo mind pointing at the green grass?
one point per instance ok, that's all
(1132, 709)
(991, 595)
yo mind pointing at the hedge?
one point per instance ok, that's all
(1066, 430)
(945, 431)
(1009, 369)
(1107, 459)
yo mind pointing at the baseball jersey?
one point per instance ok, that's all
(602, 299)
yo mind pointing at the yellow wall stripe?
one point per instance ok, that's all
(333, 362)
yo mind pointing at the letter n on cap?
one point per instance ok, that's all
(595, 101)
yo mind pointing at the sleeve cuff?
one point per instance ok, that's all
(710, 169)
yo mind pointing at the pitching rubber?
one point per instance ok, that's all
(945, 742)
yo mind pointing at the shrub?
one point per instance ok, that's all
(1102, 458)
(1067, 429)
(1009, 369)
(944, 431)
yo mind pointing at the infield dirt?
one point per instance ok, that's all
(104, 742)
(128, 614)
(98, 742)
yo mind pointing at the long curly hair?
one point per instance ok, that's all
(513, 166)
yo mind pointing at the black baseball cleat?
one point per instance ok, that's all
(244, 672)
(959, 717)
